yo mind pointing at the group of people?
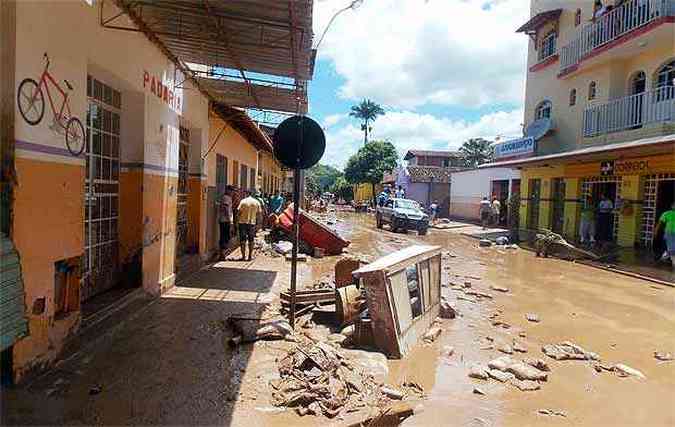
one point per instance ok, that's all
(597, 221)
(247, 209)
(490, 211)
(399, 193)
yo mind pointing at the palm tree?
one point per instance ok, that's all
(367, 111)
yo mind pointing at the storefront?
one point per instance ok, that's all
(117, 191)
(637, 177)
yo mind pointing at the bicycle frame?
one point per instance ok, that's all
(64, 106)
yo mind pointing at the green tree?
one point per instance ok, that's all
(323, 176)
(343, 189)
(367, 111)
(370, 163)
(476, 151)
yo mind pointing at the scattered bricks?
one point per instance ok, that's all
(500, 376)
(478, 372)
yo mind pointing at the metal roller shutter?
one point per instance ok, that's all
(13, 324)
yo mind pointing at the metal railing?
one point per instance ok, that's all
(631, 112)
(619, 21)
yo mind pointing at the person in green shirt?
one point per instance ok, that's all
(587, 224)
(667, 221)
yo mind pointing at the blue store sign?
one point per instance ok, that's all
(516, 147)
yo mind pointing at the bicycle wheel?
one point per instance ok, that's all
(31, 101)
(75, 137)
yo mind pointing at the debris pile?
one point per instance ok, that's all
(568, 351)
(317, 380)
(525, 375)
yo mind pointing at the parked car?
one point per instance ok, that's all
(402, 214)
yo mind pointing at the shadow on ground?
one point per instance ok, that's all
(167, 363)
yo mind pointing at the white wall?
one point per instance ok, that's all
(469, 187)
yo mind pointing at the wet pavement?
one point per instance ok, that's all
(168, 362)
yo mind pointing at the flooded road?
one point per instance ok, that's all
(169, 364)
(624, 320)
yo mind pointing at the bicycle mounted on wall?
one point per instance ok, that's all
(31, 101)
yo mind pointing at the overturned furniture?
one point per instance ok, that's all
(313, 232)
(403, 292)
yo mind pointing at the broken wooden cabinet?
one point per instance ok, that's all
(403, 292)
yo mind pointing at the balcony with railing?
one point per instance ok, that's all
(631, 112)
(611, 27)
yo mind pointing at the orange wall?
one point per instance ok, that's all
(131, 213)
(48, 226)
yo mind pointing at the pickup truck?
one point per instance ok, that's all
(402, 214)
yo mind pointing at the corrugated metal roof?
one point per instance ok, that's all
(431, 173)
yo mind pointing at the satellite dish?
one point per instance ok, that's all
(299, 142)
(538, 128)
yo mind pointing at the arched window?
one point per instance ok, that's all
(665, 76)
(573, 97)
(577, 18)
(592, 91)
(638, 84)
(665, 81)
(543, 110)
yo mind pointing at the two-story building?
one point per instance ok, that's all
(599, 115)
(426, 177)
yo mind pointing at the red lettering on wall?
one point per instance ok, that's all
(161, 90)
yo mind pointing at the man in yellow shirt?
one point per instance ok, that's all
(248, 211)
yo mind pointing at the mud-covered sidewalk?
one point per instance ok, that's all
(168, 362)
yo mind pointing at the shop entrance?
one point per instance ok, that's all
(595, 188)
(500, 190)
(558, 205)
(182, 193)
(101, 190)
(534, 187)
(659, 193)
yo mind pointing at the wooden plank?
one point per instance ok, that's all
(398, 286)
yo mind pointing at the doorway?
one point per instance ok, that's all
(182, 192)
(659, 192)
(534, 187)
(101, 189)
(595, 188)
(638, 86)
(558, 205)
(500, 190)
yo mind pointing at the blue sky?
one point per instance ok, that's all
(444, 70)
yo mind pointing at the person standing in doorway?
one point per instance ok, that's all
(587, 224)
(667, 221)
(496, 211)
(605, 219)
(485, 212)
(225, 220)
(248, 211)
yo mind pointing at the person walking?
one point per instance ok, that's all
(248, 211)
(667, 221)
(225, 220)
(485, 212)
(433, 210)
(587, 223)
(496, 211)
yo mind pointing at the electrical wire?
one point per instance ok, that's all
(355, 4)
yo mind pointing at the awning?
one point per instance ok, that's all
(538, 20)
(638, 148)
(243, 124)
(266, 37)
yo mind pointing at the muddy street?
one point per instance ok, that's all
(168, 361)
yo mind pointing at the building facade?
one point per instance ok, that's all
(600, 104)
(113, 159)
(468, 188)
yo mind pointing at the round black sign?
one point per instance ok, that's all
(299, 142)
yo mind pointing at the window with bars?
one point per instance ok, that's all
(243, 177)
(251, 182)
(221, 174)
(548, 46)
(101, 191)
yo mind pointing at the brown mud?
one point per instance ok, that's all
(169, 364)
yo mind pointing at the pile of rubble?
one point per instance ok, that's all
(316, 379)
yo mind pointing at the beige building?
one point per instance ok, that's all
(599, 115)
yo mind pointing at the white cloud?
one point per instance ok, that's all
(407, 53)
(333, 119)
(407, 130)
